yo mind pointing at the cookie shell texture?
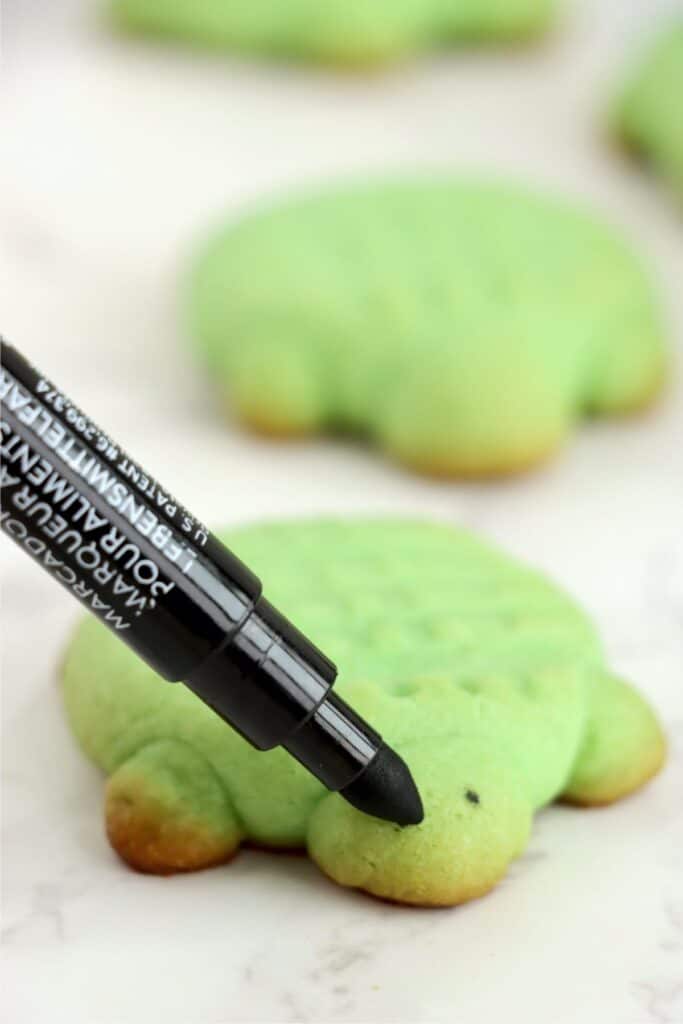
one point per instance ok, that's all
(487, 679)
(463, 327)
(648, 117)
(337, 32)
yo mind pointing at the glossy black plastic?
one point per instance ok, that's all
(266, 679)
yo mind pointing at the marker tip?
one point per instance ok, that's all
(385, 789)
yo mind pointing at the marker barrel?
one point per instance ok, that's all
(153, 573)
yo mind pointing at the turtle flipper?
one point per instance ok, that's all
(166, 811)
(622, 749)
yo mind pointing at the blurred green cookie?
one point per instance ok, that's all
(344, 32)
(649, 114)
(487, 679)
(465, 328)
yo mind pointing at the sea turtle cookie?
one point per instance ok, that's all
(337, 32)
(464, 328)
(485, 677)
(649, 114)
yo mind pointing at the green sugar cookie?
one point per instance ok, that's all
(487, 679)
(648, 117)
(339, 32)
(463, 327)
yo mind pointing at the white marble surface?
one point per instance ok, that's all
(114, 155)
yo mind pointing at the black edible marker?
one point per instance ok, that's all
(155, 575)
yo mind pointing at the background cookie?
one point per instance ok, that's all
(463, 327)
(487, 679)
(336, 31)
(649, 115)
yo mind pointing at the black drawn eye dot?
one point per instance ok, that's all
(472, 796)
